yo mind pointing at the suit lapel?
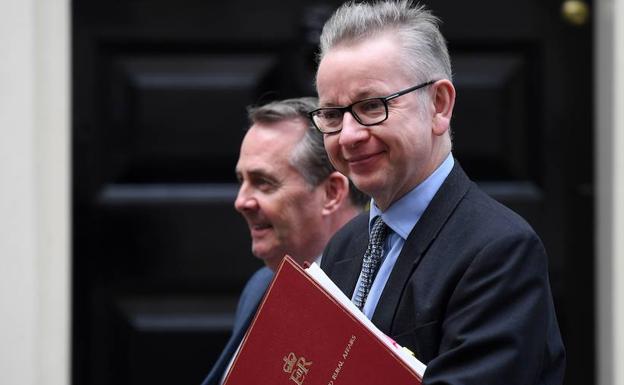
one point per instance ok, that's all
(420, 238)
(346, 271)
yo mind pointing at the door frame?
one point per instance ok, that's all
(34, 198)
(609, 189)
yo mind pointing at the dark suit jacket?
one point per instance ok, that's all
(469, 293)
(247, 304)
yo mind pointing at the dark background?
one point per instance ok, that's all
(159, 96)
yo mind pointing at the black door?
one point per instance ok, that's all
(160, 87)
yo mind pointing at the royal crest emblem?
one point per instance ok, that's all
(298, 368)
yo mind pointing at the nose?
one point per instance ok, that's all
(245, 201)
(352, 131)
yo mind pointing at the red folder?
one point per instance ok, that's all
(302, 335)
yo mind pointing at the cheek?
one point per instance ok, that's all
(285, 214)
(333, 149)
(406, 141)
(303, 209)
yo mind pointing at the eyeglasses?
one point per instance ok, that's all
(367, 112)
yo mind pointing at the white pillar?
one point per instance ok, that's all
(609, 122)
(34, 192)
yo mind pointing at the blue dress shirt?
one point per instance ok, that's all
(401, 217)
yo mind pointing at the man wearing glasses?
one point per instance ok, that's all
(446, 271)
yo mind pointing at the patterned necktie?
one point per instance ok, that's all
(372, 260)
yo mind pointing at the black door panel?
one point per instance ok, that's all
(159, 96)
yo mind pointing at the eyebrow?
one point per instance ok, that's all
(256, 173)
(361, 95)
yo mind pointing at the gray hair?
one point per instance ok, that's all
(309, 156)
(425, 52)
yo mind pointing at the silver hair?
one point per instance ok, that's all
(308, 156)
(416, 29)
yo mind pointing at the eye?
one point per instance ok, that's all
(370, 107)
(329, 116)
(265, 185)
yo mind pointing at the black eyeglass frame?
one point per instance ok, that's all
(349, 108)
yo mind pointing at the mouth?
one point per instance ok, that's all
(259, 228)
(362, 160)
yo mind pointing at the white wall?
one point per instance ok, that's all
(609, 110)
(34, 192)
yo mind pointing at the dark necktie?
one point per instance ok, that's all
(371, 262)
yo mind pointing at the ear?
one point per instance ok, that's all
(443, 102)
(336, 188)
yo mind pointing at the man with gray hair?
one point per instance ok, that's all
(291, 197)
(436, 264)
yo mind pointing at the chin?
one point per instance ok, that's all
(266, 256)
(366, 185)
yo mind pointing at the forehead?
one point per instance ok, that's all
(270, 144)
(350, 72)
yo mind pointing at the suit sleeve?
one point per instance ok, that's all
(251, 295)
(498, 317)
